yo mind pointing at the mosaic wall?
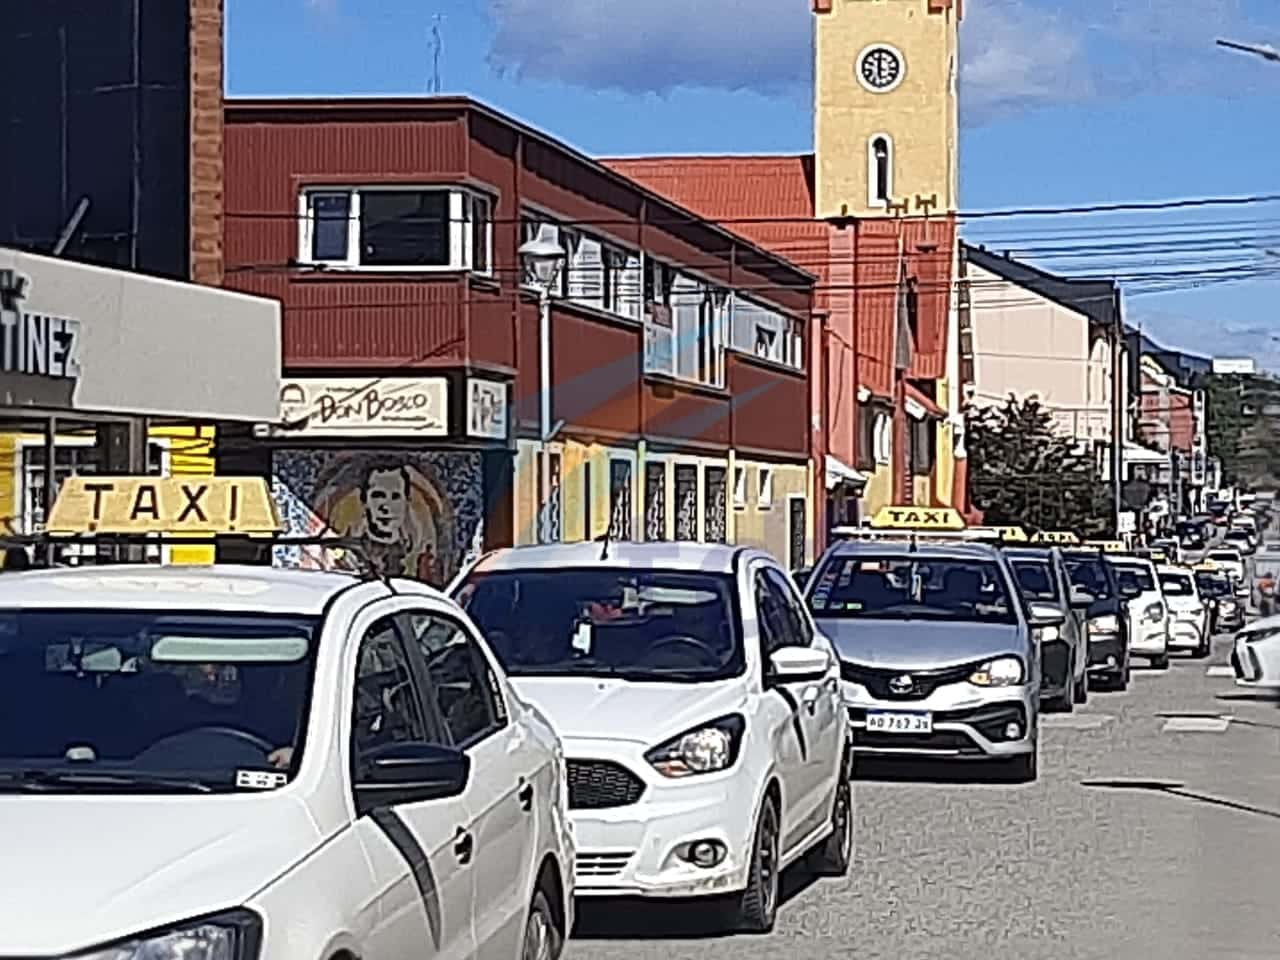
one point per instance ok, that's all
(422, 513)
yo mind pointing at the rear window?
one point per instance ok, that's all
(1176, 585)
(1036, 579)
(1090, 575)
(899, 588)
(1139, 574)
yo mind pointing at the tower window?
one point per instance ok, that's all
(880, 170)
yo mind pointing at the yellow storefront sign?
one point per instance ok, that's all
(173, 505)
(917, 518)
(1064, 537)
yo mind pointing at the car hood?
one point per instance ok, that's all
(83, 870)
(607, 708)
(920, 644)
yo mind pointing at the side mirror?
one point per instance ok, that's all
(1046, 615)
(410, 773)
(799, 665)
(1082, 599)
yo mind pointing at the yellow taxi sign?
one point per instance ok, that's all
(1007, 534)
(1107, 546)
(176, 505)
(1206, 565)
(1064, 537)
(917, 518)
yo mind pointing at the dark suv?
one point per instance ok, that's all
(1106, 618)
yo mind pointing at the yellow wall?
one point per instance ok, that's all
(920, 114)
(767, 527)
(879, 492)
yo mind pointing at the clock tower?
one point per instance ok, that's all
(885, 111)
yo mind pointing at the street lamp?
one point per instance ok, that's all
(544, 259)
(1264, 50)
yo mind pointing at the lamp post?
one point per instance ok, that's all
(544, 259)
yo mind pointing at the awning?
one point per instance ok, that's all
(839, 472)
(1136, 453)
(919, 406)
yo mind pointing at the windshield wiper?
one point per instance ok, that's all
(52, 781)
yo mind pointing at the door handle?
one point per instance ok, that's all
(526, 797)
(463, 846)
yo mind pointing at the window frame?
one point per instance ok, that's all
(764, 488)
(499, 708)
(460, 227)
(874, 200)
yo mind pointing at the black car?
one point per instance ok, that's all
(1226, 610)
(1107, 618)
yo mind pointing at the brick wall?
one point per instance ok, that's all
(207, 263)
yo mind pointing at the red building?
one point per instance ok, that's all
(392, 230)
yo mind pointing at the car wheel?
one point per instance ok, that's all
(1081, 692)
(831, 858)
(1161, 662)
(541, 938)
(756, 907)
(1020, 769)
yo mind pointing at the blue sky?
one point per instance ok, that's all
(1064, 102)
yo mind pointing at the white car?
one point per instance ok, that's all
(700, 710)
(1255, 656)
(1229, 560)
(241, 763)
(1188, 611)
(1148, 611)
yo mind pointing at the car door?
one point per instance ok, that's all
(424, 894)
(504, 769)
(1075, 625)
(801, 738)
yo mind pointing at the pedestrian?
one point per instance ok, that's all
(1266, 594)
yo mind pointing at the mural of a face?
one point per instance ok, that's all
(385, 497)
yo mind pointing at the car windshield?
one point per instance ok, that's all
(1089, 574)
(151, 701)
(1224, 557)
(898, 588)
(1212, 586)
(1035, 578)
(1236, 535)
(1135, 574)
(1177, 585)
(636, 624)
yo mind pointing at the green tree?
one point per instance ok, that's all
(1023, 471)
(1243, 427)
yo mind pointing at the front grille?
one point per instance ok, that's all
(599, 784)
(923, 682)
(602, 864)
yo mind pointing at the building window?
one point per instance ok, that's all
(619, 499)
(396, 228)
(549, 525)
(602, 275)
(868, 421)
(686, 502)
(655, 501)
(739, 488)
(883, 438)
(715, 527)
(767, 343)
(765, 333)
(923, 437)
(764, 488)
(880, 170)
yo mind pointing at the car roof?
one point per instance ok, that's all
(1229, 551)
(934, 550)
(1029, 553)
(222, 587)
(659, 555)
(1173, 568)
(1131, 559)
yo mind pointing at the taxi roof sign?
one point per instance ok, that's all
(1064, 537)
(1107, 546)
(174, 505)
(1009, 534)
(917, 518)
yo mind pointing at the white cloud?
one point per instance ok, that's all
(1016, 54)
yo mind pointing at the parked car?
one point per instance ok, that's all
(1064, 652)
(1188, 611)
(1107, 623)
(937, 649)
(1255, 655)
(700, 711)
(1226, 610)
(1148, 611)
(1240, 539)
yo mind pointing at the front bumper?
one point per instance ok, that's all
(1106, 654)
(1185, 635)
(1150, 639)
(635, 847)
(964, 722)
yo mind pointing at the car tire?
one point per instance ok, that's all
(755, 909)
(832, 857)
(1081, 692)
(542, 941)
(1205, 648)
(1161, 662)
(1020, 769)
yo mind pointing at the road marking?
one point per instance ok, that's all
(1196, 725)
(1075, 721)
(1222, 671)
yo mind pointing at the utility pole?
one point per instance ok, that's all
(1118, 406)
(437, 46)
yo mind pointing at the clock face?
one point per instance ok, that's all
(880, 68)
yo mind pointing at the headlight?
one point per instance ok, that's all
(1107, 623)
(1227, 604)
(229, 936)
(1049, 634)
(1001, 672)
(708, 748)
(1154, 612)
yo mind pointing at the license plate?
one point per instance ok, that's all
(882, 722)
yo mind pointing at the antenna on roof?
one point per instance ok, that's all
(604, 543)
(437, 47)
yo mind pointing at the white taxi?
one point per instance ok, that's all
(1188, 612)
(699, 707)
(243, 763)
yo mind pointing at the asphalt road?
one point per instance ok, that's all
(1153, 833)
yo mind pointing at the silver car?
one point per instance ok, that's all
(938, 657)
(1064, 653)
